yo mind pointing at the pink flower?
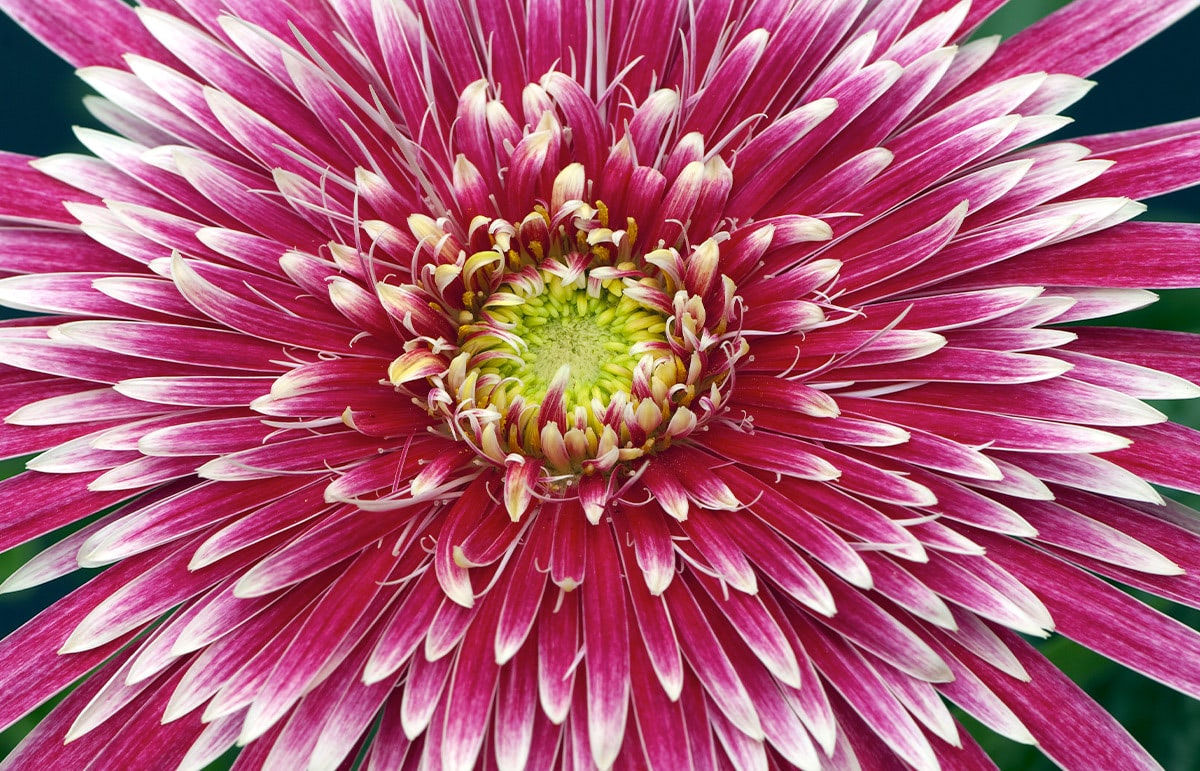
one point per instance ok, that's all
(628, 383)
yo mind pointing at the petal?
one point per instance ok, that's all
(50, 22)
(1068, 726)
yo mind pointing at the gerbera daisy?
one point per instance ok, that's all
(537, 384)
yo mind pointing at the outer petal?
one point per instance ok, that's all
(1081, 38)
(52, 23)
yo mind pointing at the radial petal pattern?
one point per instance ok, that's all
(625, 384)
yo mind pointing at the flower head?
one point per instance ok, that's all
(622, 384)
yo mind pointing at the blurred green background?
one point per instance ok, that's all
(40, 100)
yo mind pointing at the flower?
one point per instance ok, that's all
(639, 384)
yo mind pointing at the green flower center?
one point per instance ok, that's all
(588, 335)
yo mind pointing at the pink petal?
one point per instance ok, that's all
(470, 694)
(47, 21)
(1068, 726)
(705, 655)
(606, 653)
(857, 682)
(332, 619)
(558, 643)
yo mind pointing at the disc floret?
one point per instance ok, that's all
(591, 338)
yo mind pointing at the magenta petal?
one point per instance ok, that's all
(46, 673)
(703, 529)
(1160, 454)
(330, 621)
(1067, 724)
(660, 722)
(659, 641)
(655, 553)
(1082, 34)
(319, 548)
(470, 694)
(216, 738)
(521, 605)
(185, 512)
(858, 683)
(421, 704)
(31, 511)
(207, 619)
(758, 630)
(453, 577)
(54, 561)
(136, 741)
(46, 740)
(606, 655)
(787, 517)
(704, 655)
(1155, 168)
(46, 20)
(1163, 351)
(516, 712)
(1129, 630)
(403, 630)
(899, 586)
(142, 598)
(392, 745)
(1157, 244)
(872, 629)
(558, 644)
(1165, 527)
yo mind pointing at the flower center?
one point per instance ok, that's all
(576, 350)
(564, 353)
(583, 341)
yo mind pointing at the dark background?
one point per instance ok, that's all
(40, 100)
